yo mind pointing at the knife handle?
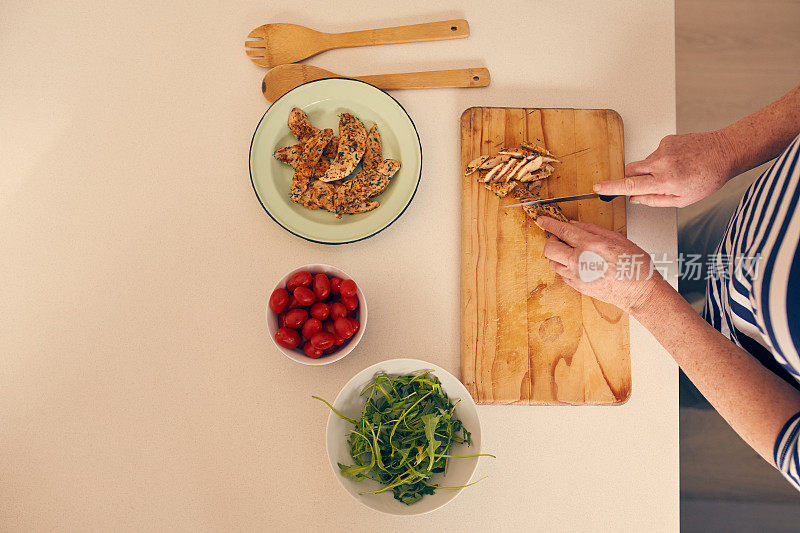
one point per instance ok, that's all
(608, 197)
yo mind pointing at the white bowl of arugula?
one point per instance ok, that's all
(423, 423)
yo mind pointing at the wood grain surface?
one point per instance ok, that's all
(526, 336)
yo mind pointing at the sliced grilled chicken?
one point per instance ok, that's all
(312, 151)
(373, 153)
(352, 143)
(302, 128)
(472, 166)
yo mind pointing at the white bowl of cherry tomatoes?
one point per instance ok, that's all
(316, 314)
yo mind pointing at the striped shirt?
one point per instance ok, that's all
(754, 296)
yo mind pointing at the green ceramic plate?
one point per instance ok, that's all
(323, 101)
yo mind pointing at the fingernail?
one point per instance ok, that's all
(596, 187)
(536, 221)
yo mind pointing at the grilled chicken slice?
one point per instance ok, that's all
(312, 151)
(549, 210)
(289, 154)
(352, 144)
(361, 207)
(373, 153)
(302, 128)
(534, 148)
(502, 188)
(472, 166)
(359, 189)
(388, 167)
(319, 195)
(299, 185)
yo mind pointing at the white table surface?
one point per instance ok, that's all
(139, 388)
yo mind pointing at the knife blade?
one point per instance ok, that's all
(603, 197)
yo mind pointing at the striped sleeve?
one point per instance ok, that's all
(786, 451)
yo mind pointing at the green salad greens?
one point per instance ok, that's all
(404, 435)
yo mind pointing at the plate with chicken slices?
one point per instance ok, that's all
(335, 161)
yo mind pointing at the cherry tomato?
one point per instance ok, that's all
(300, 279)
(288, 338)
(279, 300)
(350, 302)
(312, 351)
(320, 310)
(293, 303)
(304, 296)
(329, 350)
(356, 325)
(339, 341)
(282, 320)
(296, 318)
(322, 286)
(335, 285)
(338, 310)
(322, 340)
(343, 327)
(328, 327)
(348, 287)
(311, 326)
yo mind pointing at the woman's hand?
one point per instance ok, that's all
(684, 169)
(601, 263)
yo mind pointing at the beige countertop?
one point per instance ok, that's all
(139, 388)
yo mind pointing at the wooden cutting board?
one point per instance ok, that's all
(526, 336)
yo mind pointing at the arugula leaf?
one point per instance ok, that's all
(430, 422)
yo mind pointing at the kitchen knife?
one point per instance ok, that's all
(603, 197)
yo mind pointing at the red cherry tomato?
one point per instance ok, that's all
(300, 279)
(348, 287)
(304, 296)
(312, 351)
(320, 310)
(296, 318)
(356, 325)
(343, 327)
(293, 303)
(288, 338)
(327, 326)
(336, 283)
(350, 302)
(338, 310)
(322, 340)
(279, 300)
(311, 326)
(282, 320)
(322, 286)
(339, 341)
(329, 350)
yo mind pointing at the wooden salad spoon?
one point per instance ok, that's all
(276, 44)
(284, 78)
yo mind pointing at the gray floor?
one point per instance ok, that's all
(733, 57)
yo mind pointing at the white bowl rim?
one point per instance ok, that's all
(338, 355)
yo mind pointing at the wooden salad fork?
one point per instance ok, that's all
(283, 78)
(276, 44)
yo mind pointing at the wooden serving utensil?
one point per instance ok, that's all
(276, 44)
(283, 78)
